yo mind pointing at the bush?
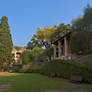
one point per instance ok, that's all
(67, 69)
(32, 68)
(35, 67)
(16, 68)
(33, 71)
(88, 52)
(24, 68)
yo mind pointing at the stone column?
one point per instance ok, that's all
(54, 51)
(66, 46)
(59, 49)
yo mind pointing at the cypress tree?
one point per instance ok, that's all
(5, 43)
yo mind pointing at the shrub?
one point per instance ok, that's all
(16, 68)
(32, 68)
(67, 69)
(33, 71)
(24, 68)
(35, 67)
(88, 52)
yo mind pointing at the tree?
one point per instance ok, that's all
(30, 45)
(61, 31)
(26, 57)
(42, 38)
(49, 52)
(81, 39)
(87, 19)
(45, 37)
(84, 21)
(5, 43)
(78, 23)
(38, 54)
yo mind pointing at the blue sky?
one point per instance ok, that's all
(26, 15)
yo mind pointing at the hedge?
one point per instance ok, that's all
(67, 69)
(32, 68)
(32, 71)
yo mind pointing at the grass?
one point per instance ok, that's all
(38, 83)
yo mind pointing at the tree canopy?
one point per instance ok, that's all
(45, 37)
(42, 38)
(81, 39)
(5, 42)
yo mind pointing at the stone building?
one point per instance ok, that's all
(62, 47)
(18, 53)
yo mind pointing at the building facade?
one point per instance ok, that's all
(17, 56)
(62, 48)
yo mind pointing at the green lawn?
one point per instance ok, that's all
(38, 83)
